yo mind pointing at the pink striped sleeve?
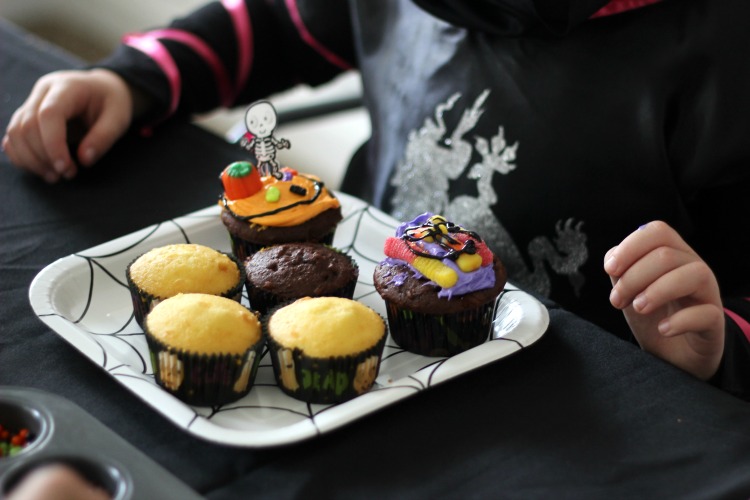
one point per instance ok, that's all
(618, 6)
(334, 59)
(152, 47)
(209, 56)
(245, 50)
(740, 321)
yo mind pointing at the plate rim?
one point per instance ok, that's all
(532, 326)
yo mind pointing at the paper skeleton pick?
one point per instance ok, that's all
(260, 120)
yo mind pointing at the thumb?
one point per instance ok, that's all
(104, 132)
(609, 266)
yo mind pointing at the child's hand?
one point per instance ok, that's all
(670, 298)
(36, 139)
(55, 481)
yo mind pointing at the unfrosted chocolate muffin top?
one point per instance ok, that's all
(293, 270)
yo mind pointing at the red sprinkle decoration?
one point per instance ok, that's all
(10, 443)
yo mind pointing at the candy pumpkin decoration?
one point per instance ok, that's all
(241, 180)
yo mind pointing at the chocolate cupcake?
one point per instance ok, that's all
(439, 283)
(205, 349)
(325, 349)
(289, 271)
(262, 211)
(166, 271)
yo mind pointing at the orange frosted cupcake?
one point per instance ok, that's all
(260, 211)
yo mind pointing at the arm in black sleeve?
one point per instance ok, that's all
(707, 120)
(734, 373)
(515, 17)
(233, 52)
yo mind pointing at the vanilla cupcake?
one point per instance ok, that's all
(205, 349)
(182, 268)
(325, 349)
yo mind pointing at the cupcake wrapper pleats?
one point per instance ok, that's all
(326, 380)
(439, 334)
(203, 379)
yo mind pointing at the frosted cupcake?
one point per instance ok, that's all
(325, 349)
(166, 271)
(204, 349)
(260, 211)
(439, 283)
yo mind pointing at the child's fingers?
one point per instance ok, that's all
(641, 242)
(661, 264)
(691, 283)
(24, 157)
(705, 320)
(23, 141)
(691, 338)
(55, 110)
(109, 126)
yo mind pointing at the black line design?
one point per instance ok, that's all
(192, 420)
(89, 294)
(436, 365)
(396, 351)
(181, 229)
(514, 341)
(107, 272)
(123, 250)
(261, 407)
(105, 354)
(144, 365)
(368, 294)
(419, 382)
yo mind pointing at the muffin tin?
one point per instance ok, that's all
(98, 454)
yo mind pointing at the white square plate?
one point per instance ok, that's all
(84, 298)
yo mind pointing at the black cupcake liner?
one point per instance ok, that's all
(439, 335)
(243, 249)
(328, 380)
(144, 302)
(204, 379)
(263, 301)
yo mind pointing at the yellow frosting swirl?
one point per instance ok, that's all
(291, 209)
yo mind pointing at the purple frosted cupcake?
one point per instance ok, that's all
(439, 283)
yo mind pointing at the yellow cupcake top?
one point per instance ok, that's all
(326, 326)
(205, 324)
(184, 268)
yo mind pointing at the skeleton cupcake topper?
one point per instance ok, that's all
(260, 120)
